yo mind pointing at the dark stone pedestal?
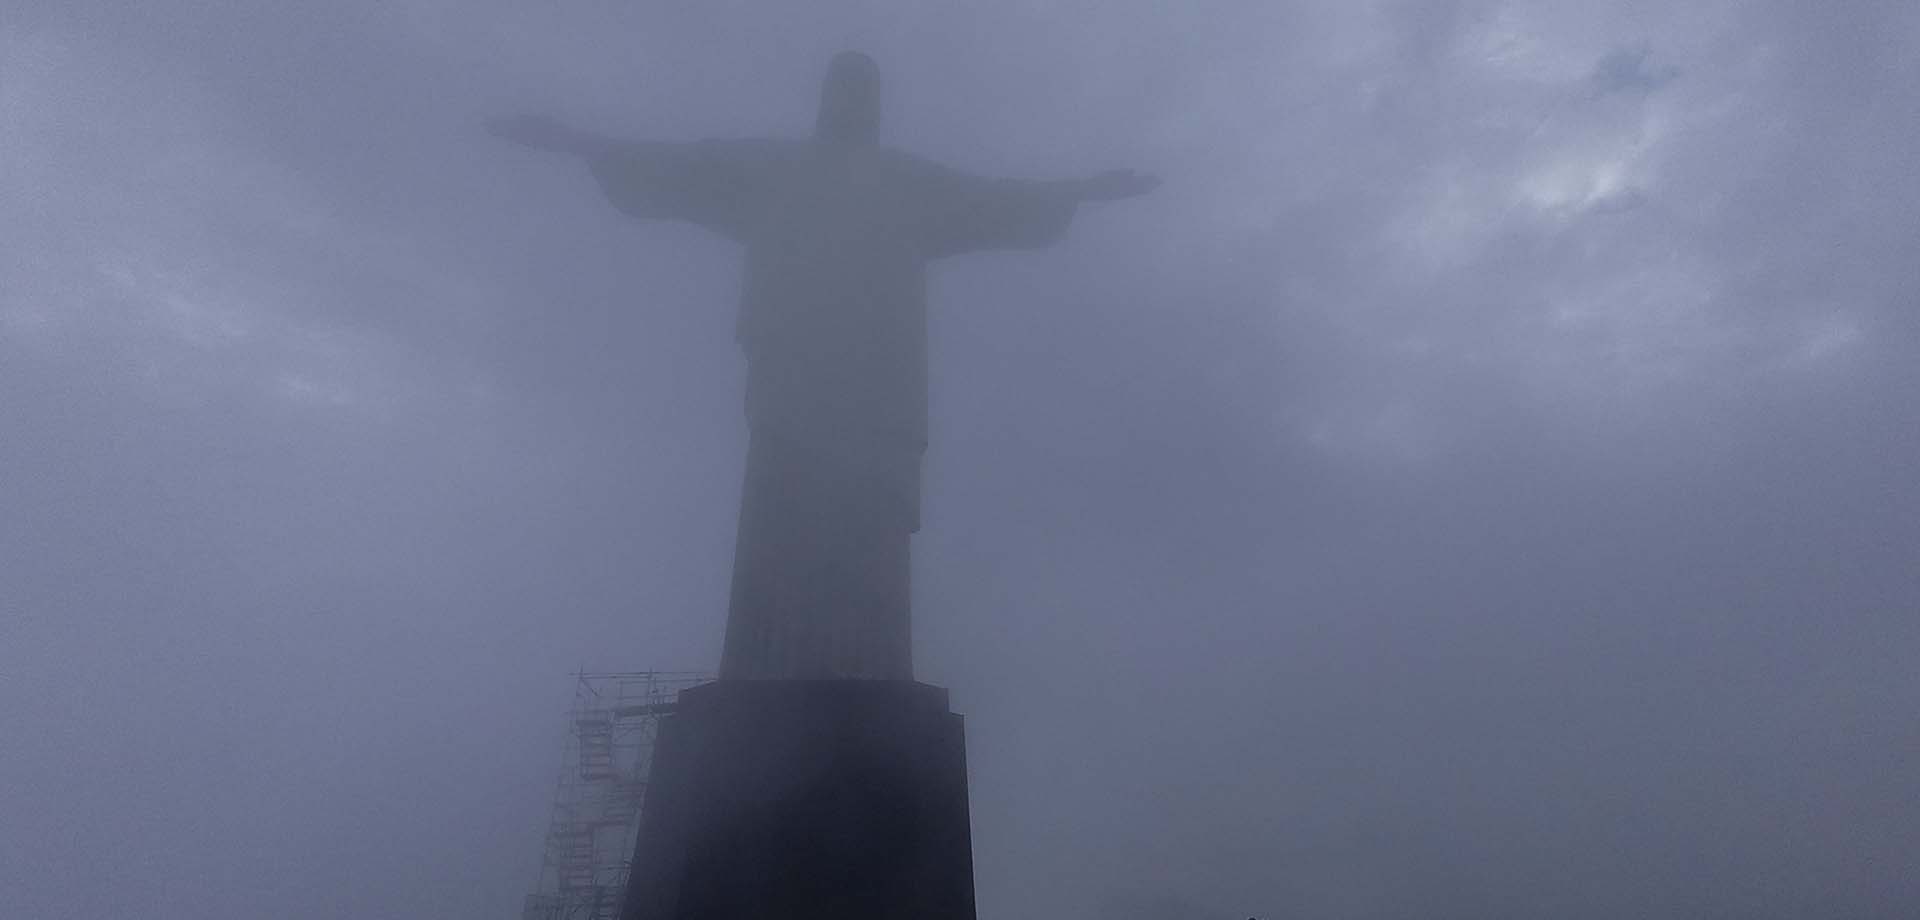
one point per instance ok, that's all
(802, 799)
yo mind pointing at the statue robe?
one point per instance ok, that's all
(833, 323)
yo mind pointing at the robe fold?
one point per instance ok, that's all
(833, 323)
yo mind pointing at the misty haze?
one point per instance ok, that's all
(1405, 460)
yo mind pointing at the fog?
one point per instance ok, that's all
(1482, 481)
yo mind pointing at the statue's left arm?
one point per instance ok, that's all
(965, 213)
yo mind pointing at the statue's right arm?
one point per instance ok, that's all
(1111, 185)
(719, 184)
(540, 132)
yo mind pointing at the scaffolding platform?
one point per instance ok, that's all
(588, 853)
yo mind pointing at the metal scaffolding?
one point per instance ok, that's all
(603, 779)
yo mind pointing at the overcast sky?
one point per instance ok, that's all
(1483, 481)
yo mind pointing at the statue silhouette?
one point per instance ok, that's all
(838, 230)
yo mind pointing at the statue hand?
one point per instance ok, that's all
(1116, 184)
(536, 131)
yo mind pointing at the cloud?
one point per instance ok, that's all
(1629, 70)
(154, 239)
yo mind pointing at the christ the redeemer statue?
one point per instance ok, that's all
(838, 231)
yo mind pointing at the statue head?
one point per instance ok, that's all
(850, 101)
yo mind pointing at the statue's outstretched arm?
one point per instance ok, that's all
(719, 184)
(1112, 185)
(543, 133)
(967, 213)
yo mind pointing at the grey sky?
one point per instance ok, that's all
(1480, 482)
